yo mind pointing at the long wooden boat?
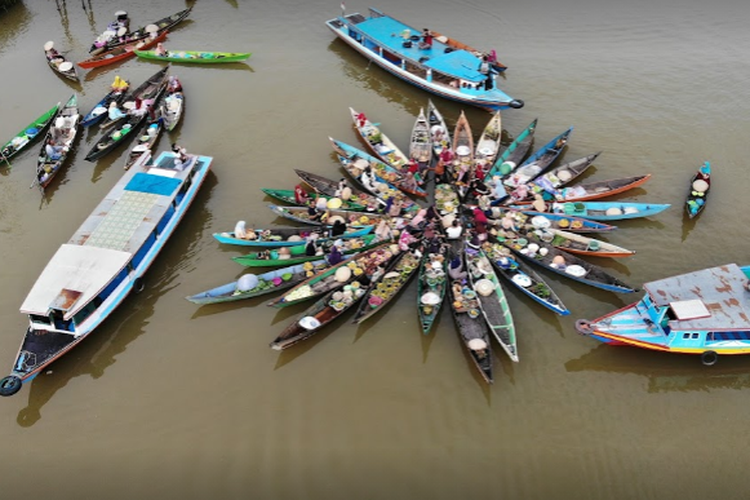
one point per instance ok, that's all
(251, 285)
(379, 143)
(143, 91)
(492, 301)
(320, 314)
(420, 144)
(330, 187)
(455, 44)
(122, 52)
(378, 186)
(164, 24)
(387, 172)
(105, 260)
(562, 175)
(700, 185)
(384, 289)
(543, 220)
(472, 329)
(173, 104)
(600, 189)
(515, 153)
(279, 256)
(453, 73)
(488, 144)
(146, 140)
(117, 93)
(129, 126)
(538, 252)
(194, 56)
(118, 27)
(352, 219)
(538, 162)
(61, 136)
(608, 210)
(358, 265)
(463, 140)
(582, 245)
(523, 277)
(431, 286)
(287, 196)
(287, 236)
(62, 66)
(439, 132)
(703, 313)
(26, 136)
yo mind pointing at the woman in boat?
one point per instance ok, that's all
(181, 153)
(174, 85)
(335, 256)
(455, 230)
(406, 241)
(395, 209)
(160, 51)
(361, 120)
(486, 69)
(456, 269)
(426, 39)
(313, 213)
(300, 195)
(311, 247)
(114, 113)
(338, 228)
(53, 151)
(383, 231)
(242, 233)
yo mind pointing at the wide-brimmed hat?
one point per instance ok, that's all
(49, 45)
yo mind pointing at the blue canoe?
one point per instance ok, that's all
(538, 162)
(278, 237)
(442, 69)
(608, 210)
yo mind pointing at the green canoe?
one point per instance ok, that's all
(193, 56)
(287, 196)
(273, 257)
(27, 135)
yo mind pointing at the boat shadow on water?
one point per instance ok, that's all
(666, 372)
(127, 322)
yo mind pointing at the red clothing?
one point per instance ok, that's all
(413, 166)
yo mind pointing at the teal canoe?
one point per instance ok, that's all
(194, 56)
(27, 135)
(280, 256)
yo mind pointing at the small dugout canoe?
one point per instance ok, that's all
(194, 56)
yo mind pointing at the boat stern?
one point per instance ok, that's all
(630, 325)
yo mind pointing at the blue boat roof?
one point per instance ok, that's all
(388, 33)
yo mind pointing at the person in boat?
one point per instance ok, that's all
(456, 269)
(395, 209)
(478, 188)
(114, 113)
(361, 120)
(335, 256)
(454, 231)
(313, 213)
(242, 233)
(368, 179)
(338, 228)
(53, 151)
(383, 231)
(410, 182)
(419, 220)
(340, 187)
(426, 42)
(311, 248)
(160, 51)
(120, 85)
(174, 85)
(480, 224)
(406, 240)
(300, 195)
(180, 152)
(485, 68)
(52, 54)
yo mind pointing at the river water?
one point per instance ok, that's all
(174, 401)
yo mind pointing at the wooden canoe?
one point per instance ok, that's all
(99, 111)
(471, 327)
(608, 210)
(146, 90)
(122, 52)
(600, 189)
(515, 153)
(562, 175)
(494, 305)
(432, 279)
(173, 105)
(488, 144)
(557, 221)
(62, 134)
(272, 257)
(270, 282)
(364, 264)
(287, 196)
(565, 264)
(146, 140)
(164, 24)
(700, 185)
(378, 186)
(353, 219)
(379, 143)
(538, 162)
(287, 236)
(420, 144)
(63, 67)
(384, 170)
(329, 187)
(388, 285)
(440, 136)
(582, 245)
(194, 56)
(312, 320)
(463, 138)
(521, 275)
(26, 136)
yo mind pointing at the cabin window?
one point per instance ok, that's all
(40, 319)
(369, 44)
(685, 335)
(694, 336)
(416, 69)
(86, 311)
(391, 58)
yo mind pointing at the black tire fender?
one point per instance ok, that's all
(709, 358)
(138, 285)
(10, 385)
(583, 326)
